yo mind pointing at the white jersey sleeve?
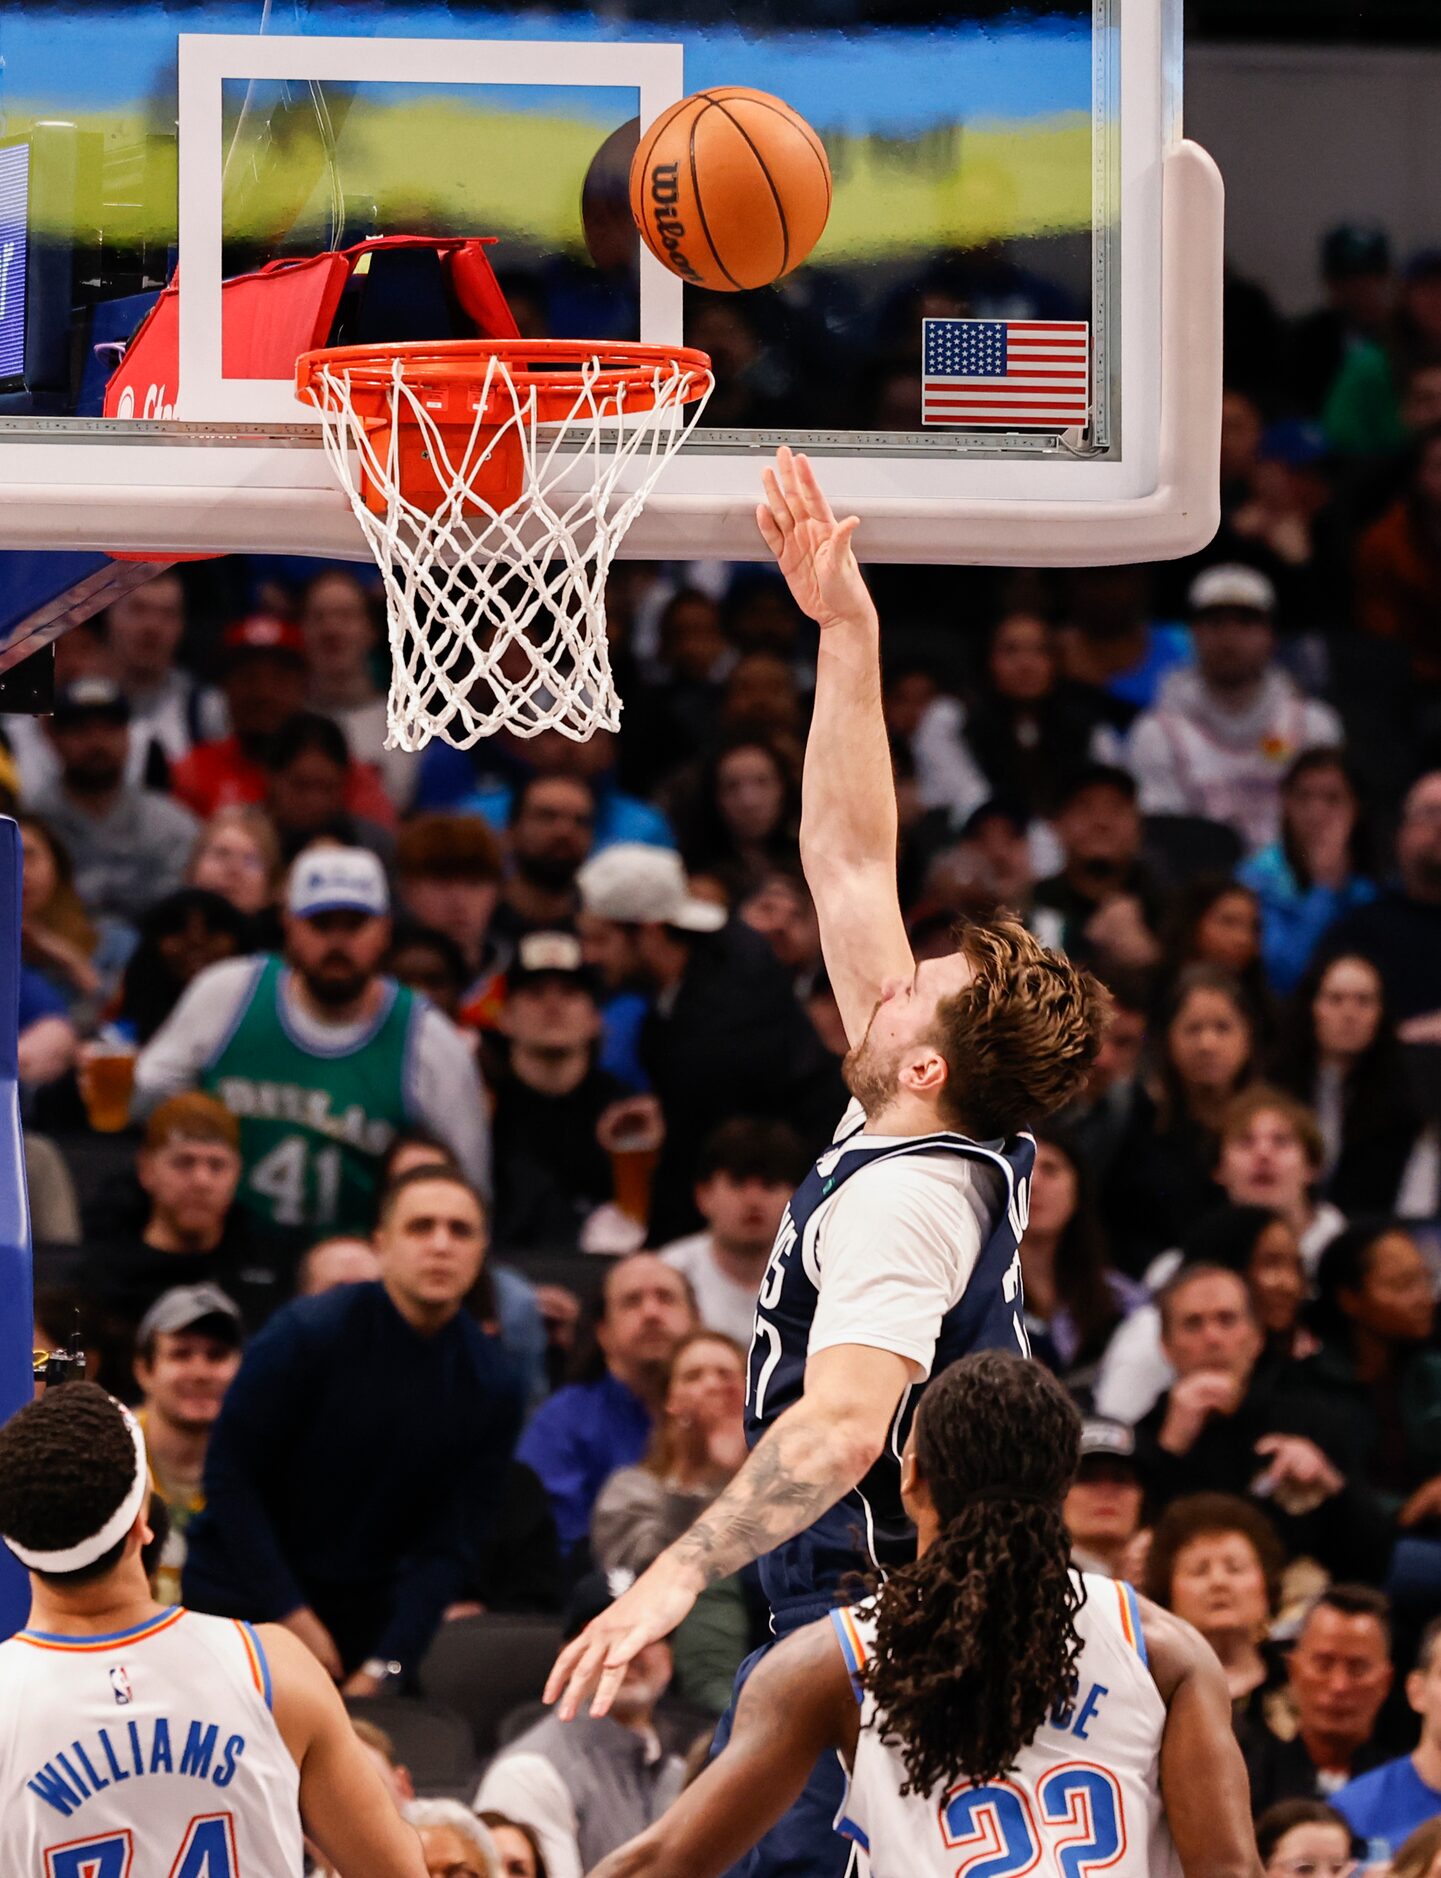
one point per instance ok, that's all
(449, 1096)
(194, 1031)
(896, 1250)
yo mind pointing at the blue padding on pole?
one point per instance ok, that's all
(31, 578)
(17, 1310)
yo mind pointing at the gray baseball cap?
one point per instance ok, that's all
(185, 1306)
(1110, 1440)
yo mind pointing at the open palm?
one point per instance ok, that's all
(812, 549)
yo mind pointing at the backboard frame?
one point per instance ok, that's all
(235, 472)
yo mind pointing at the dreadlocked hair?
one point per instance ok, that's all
(66, 1463)
(976, 1641)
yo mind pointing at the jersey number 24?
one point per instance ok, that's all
(206, 1851)
(1081, 1829)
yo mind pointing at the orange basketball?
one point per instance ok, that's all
(730, 188)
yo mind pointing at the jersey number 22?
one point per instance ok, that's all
(1081, 1828)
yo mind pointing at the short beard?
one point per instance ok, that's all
(552, 873)
(872, 1081)
(335, 993)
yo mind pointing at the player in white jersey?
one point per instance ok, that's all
(998, 1712)
(141, 1742)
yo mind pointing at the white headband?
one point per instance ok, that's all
(75, 1558)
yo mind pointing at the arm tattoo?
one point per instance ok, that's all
(790, 1479)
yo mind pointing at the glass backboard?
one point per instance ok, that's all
(997, 171)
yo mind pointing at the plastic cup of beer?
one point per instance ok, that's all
(632, 1134)
(107, 1081)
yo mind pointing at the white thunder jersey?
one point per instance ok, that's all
(1084, 1797)
(149, 1753)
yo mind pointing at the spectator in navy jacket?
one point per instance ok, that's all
(359, 1462)
(577, 1440)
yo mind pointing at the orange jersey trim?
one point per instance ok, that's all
(251, 1657)
(43, 1640)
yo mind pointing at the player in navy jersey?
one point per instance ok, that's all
(997, 1711)
(898, 1252)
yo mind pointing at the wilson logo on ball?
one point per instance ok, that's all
(670, 230)
(730, 189)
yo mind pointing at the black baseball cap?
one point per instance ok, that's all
(95, 696)
(543, 955)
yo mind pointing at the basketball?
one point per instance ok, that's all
(730, 189)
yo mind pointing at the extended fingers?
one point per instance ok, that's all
(587, 1673)
(808, 493)
(561, 1668)
(770, 529)
(783, 514)
(611, 1679)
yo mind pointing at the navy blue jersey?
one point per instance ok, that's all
(868, 1530)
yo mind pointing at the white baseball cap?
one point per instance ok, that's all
(640, 885)
(337, 880)
(1244, 588)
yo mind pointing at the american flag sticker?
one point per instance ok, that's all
(1006, 374)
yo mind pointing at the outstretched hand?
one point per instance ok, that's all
(811, 547)
(594, 1663)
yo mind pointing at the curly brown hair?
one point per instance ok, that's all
(1020, 1040)
(977, 1641)
(1208, 1516)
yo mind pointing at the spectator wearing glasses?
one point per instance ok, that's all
(1386, 1805)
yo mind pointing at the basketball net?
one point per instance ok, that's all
(494, 497)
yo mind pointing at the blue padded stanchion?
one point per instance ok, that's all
(16, 1300)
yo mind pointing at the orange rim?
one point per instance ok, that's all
(538, 364)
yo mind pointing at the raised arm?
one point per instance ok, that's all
(810, 1457)
(796, 1707)
(848, 796)
(1204, 1786)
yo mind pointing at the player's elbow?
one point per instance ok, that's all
(857, 1441)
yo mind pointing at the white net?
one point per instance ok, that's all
(497, 613)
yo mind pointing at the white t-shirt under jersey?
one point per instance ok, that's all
(896, 1247)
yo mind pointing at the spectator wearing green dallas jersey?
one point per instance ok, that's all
(321, 1057)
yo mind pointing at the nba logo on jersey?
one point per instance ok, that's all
(120, 1683)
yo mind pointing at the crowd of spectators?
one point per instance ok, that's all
(410, 1132)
